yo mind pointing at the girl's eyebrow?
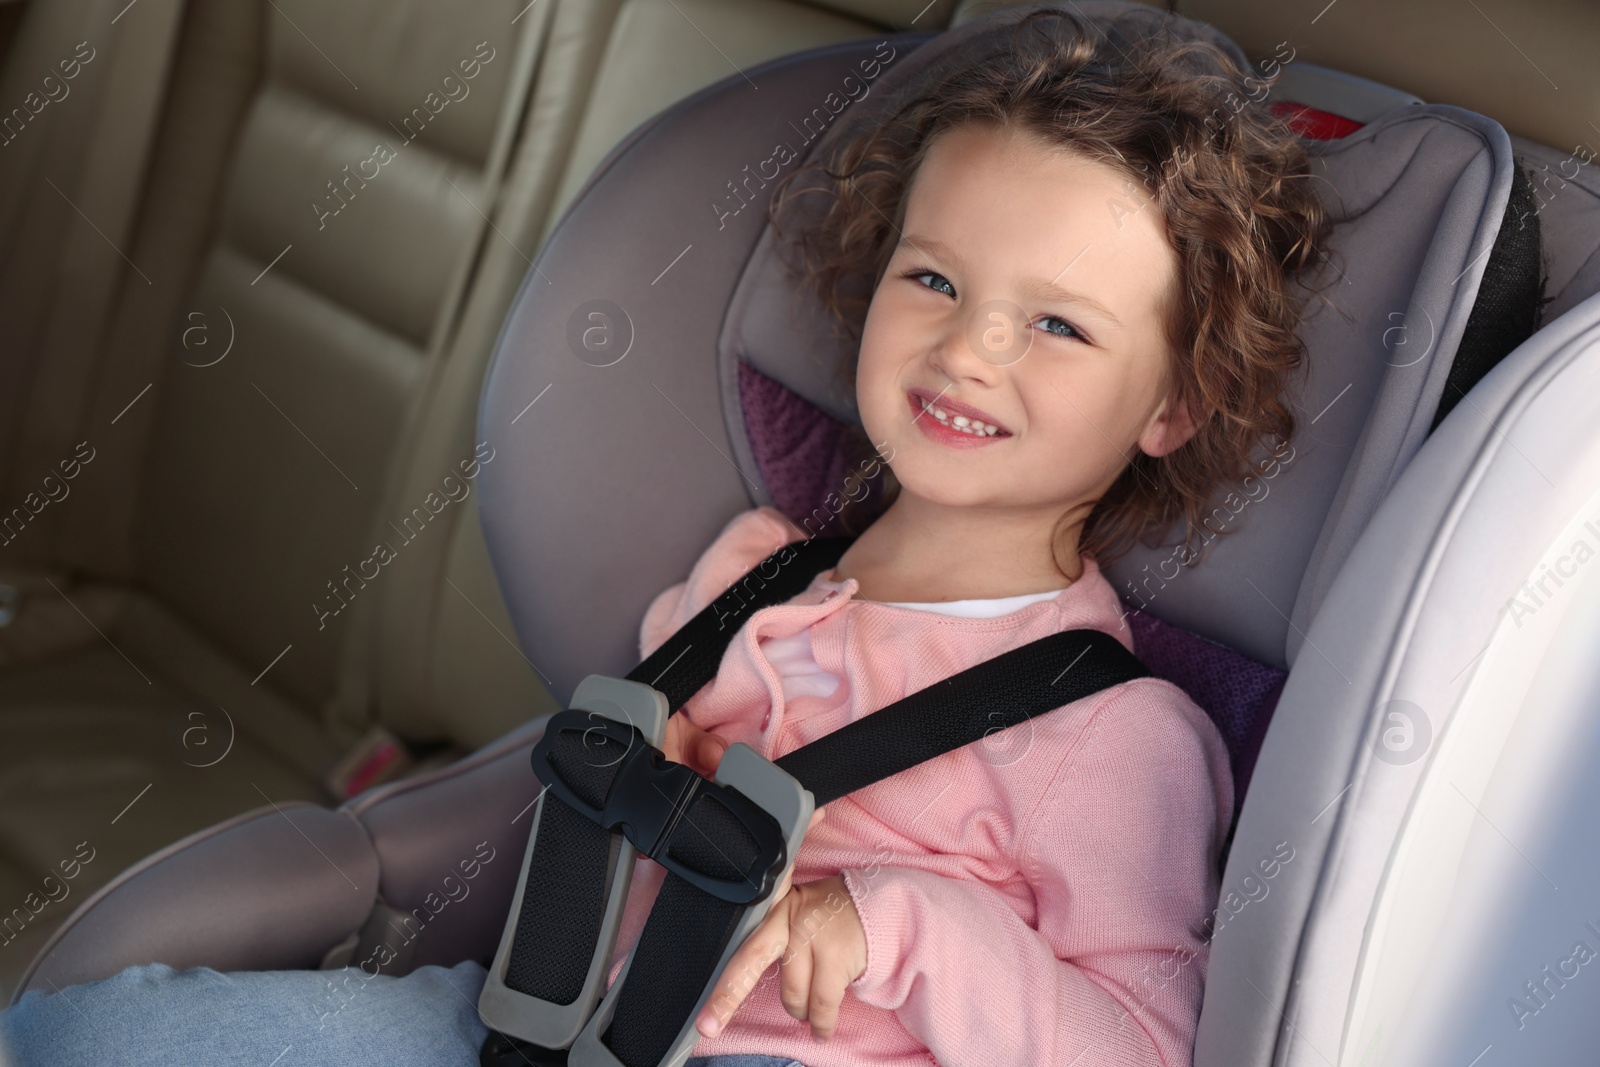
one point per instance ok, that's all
(931, 245)
(1049, 291)
(1035, 287)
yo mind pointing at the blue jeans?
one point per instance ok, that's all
(156, 1015)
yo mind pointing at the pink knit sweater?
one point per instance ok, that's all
(1035, 900)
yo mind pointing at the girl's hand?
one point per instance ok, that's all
(686, 743)
(816, 930)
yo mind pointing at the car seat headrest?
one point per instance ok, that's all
(615, 390)
(1417, 198)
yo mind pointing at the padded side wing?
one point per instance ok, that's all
(271, 889)
(1393, 870)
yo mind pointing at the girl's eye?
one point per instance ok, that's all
(1069, 331)
(941, 284)
(939, 280)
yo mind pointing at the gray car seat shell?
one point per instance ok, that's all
(1422, 625)
(299, 886)
(1425, 187)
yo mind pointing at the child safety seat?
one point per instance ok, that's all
(658, 373)
(610, 796)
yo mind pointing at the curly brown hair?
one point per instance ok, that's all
(1171, 111)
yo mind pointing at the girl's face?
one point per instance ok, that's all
(1025, 292)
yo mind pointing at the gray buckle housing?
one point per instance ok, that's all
(530, 1018)
(791, 804)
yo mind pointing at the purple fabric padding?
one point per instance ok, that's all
(803, 455)
(1236, 691)
(1246, 763)
(800, 449)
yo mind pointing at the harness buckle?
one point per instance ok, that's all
(650, 795)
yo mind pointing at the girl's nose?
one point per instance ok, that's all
(998, 333)
(982, 342)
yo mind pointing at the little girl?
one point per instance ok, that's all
(1080, 326)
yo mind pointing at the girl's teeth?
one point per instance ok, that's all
(962, 423)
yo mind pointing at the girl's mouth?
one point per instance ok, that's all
(948, 428)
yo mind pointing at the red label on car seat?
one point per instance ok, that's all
(1309, 122)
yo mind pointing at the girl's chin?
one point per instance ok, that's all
(934, 486)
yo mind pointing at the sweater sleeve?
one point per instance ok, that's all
(1121, 857)
(748, 538)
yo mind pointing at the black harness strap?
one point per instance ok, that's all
(559, 925)
(998, 693)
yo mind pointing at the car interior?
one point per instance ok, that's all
(310, 517)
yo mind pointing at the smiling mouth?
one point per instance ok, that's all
(959, 423)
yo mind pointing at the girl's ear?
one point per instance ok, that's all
(1172, 424)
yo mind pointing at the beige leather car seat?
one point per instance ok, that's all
(187, 633)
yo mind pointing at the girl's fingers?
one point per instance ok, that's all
(828, 984)
(744, 970)
(672, 745)
(686, 743)
(751, 960)
(795, 971)
(709, 751)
